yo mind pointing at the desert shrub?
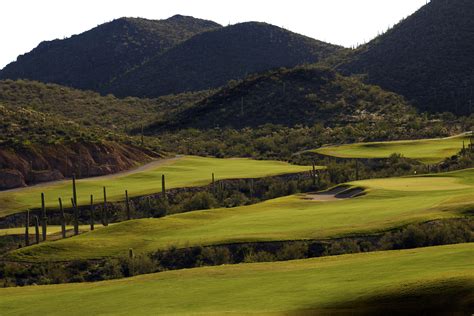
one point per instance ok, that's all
(216, 255)
(290, 251)
(259, 256)
(343, 247)
(200, 201)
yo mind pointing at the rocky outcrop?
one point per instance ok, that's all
(35, 164)
(11, 179)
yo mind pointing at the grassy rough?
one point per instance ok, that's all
(424, 150)
(389, 203)
(187, 171)
(311, 285)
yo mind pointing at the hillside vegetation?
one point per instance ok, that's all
(427, 57)
(37, 147)
(93, 58)
(421, 281)
(211, 59)
(387, 204)
(424, 150)
(90, 109)
(288, 97)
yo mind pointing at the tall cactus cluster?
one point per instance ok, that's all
(42, 221)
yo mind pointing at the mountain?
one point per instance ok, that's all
(37, 147)
(210, 59)
(303, 95)
(93, 58)
(90, 109)
(428, 57)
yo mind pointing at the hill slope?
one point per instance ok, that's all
(211, 59)
(289, 97)
(387, 204)
(89, 108)
(426, 281)
(428, 57)
(93, 58)
(37, 147)
(424, 150)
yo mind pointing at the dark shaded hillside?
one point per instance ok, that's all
(89, 108)
(428, 57)
(93, 58)
(211, 59)
(290, 97)
(37, 147)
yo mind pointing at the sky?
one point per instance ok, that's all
(26, 23)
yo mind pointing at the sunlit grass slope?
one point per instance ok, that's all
(388, 203)
(52, 229)
(357, 282)
(183, 172)
(424, 150)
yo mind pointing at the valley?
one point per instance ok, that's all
(165, 164)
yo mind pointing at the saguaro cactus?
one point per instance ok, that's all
(163, 187)
(27, 227)
(63, 218)
(313, 174)
(213, 184)
(105, 220)
(357, 169)
(127, 204)
(74, 192)
(76, 217)
(37, 230)
(44, 218)
(92, 213)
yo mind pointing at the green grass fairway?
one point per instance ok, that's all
(424, 150)
(355, 282)
(52, 229)
(183, 172)
(388, 203)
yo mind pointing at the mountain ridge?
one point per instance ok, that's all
(428, 58)
(210, 59)
(91, 59)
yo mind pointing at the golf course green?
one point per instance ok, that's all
(186, 171)
(441, 276)
(424, 150)
(388, 203)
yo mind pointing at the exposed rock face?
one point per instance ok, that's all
(35, 164)
(11, 179)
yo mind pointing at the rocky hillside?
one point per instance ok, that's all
(93, 58)
(303, 95)
(428, 58)
(211, 59)
(37, 147)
